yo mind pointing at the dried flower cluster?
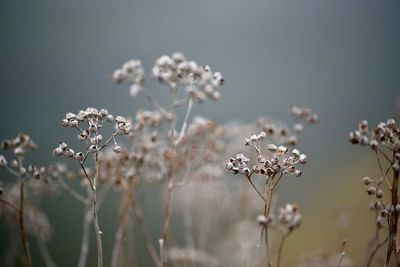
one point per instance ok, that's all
(384, 140)
(273, 161)
(289, 218)
(19, 196)
(282, 134)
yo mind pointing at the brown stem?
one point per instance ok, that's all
(24, 238)
(394, 238)
(5, 202)
(269, 262)
(145, 233)
(85, 237)
(267, 206)
(254, 186)
(95, 219)
(123, 222)
(278, 260)
(168, 213)
(372, 255)
(396, 224)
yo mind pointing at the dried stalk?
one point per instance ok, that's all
(281, 243)
(44, 251)
(87, 218)
(168, 214)
(95, 219)
(145, 233)
(24, 238)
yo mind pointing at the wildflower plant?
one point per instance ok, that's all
(161, 151)
(384, 141)
(272, 163)
(88, 124)
(166, 152)
(16, 197)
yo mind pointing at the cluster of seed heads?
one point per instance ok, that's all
(288, 136)
(88, 123)
(20, 146)
(132, 73)
(279, 162)
(385, 137)
(148, 118)
(385, 134)
(381, 209)
(176, 71)
(289, 218)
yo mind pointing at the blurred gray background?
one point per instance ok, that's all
(341, 58)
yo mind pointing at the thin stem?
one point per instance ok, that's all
(185, 122)
(281, 243)
(385, 155)
(168, 213)
(173, 108)
(145, 233)
(44, 251)
(154, 102)
(112, 137)
(95, 219)
(5, 202)
(11, 171)
(24, 238)
(255, 188)
(87, 177)
(87, 218)
(72, 192)
(342, 253)
(269, 263)
(372, 255)
(123, 222)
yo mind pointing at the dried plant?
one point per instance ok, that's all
(17, 196)
(184, 160)
(273, 162)
(384, 141)
(88, 124)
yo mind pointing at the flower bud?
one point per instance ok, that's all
(117, 149)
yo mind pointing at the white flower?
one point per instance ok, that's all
(135, 89)
(117, 149)
(303, 159)
(272, 147)
(120, 119)
(93, 149)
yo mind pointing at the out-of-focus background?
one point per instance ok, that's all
(341, 58)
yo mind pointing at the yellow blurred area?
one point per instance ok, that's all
(338, 210)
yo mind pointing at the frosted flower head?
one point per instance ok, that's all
(176, 71)
(289, 217)
(132, 73)
(89, 123)
(238, 164)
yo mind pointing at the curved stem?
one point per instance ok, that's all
(145, 233)
(255, 188)
(44, 251)
(372, 255)
(5, 202)
(281, 243)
